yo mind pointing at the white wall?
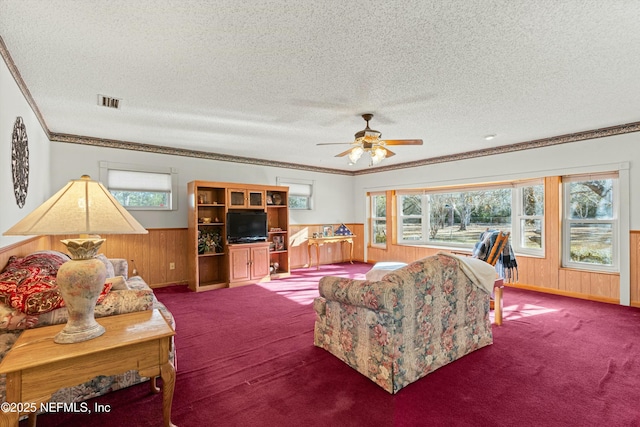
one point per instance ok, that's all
(565, 159)
(334, 200)
(12, 105)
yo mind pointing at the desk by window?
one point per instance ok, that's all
(319, 241)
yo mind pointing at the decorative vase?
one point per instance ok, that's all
(80, 282)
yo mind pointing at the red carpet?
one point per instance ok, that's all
(246, 358)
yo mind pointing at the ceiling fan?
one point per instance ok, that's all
(368, 141)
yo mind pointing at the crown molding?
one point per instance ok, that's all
(15, 73)
(527, 145)
(159, 149)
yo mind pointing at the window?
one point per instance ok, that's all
(454, 218)
(300, 192)
(411, 223)
(457, 218)
(378, 217)
(590, 227)
(140, 187)
(528, 236)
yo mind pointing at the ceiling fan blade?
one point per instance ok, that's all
(334, 143)
(403, 141)
(389, 152)
(344, 153)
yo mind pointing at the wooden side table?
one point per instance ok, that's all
(36, 366)
(319, 241)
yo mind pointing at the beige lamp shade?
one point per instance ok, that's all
(83, 206)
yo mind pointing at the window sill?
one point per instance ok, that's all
(464, 250)
(590, 270)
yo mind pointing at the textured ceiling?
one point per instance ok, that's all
(272, 78)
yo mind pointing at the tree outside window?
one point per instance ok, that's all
(141, 199)
(590, 222)
(458, 218)
(411, 228)
(531, 217)
(452, 218)
(378, 219)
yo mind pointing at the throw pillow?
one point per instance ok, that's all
(12, 319)
(41, 294)
(48, 261)
(13, 259)
(25, 270)
(118, 283)
(110, 270)
(29, 284)
(37, 294)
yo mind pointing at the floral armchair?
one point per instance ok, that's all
(413, 321)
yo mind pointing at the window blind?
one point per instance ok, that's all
(123, 180)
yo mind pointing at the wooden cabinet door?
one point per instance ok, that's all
(237, 198)
(255, 199)
(259, 262)
(239, 264)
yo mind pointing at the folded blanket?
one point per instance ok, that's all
(479, 272)
(506, 265)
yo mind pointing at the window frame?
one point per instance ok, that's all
(516, 214)
(614, 221)
(424, 222)
(294, 184)
(105, 167)
(373, 218)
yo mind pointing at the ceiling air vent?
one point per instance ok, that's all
(109, 102)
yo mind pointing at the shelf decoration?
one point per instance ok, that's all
(209, 241)
(278, 243)
(343, 230)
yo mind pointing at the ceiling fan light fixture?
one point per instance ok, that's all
(371, 136)
(355, 154)
(377, 155)
(368, 141)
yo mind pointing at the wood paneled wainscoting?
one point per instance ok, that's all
(25, 247)
(153, 254)
(537, 274)
(544, 274)
(634, 262)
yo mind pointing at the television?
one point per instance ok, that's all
(245, 227)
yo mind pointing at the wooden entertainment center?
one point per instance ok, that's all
(217, 263)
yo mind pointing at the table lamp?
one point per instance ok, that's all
(83, 207)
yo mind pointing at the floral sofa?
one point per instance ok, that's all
(413, 321)
(29, 299)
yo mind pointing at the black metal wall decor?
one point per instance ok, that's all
(20, 161)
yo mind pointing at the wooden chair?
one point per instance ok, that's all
(494, 255)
